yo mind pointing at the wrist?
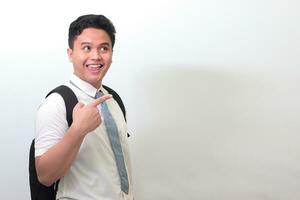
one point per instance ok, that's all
(77, 130)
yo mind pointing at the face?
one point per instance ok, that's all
(91, 55)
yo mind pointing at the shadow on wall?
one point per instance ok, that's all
(202, 134)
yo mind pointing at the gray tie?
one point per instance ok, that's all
(113, 136)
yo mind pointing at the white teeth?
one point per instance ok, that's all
(94, 65)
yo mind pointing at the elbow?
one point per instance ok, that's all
(43, 177)
(44, 180)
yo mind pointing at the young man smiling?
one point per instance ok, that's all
(81, 155)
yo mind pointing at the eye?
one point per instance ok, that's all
(104, 49)
(86, 48)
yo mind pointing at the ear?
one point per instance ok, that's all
(70, 53)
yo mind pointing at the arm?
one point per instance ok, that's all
(56, 161)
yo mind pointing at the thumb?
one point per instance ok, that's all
(96, 102)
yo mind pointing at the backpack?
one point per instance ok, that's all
(39, 191)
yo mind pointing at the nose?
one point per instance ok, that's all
(95, 54)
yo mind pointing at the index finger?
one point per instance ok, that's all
(96, 102)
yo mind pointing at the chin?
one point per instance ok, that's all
(96, 82)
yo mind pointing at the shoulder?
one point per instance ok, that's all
(52, 104)
(50, 123)
(117, 98)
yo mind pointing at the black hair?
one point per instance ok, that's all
(91, 21)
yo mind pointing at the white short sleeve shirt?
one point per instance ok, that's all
(93, 174)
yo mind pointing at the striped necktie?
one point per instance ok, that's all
(114, 139)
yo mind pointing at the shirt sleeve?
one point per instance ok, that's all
(51, 123)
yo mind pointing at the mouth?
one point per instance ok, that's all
(94, 67)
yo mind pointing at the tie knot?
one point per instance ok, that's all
(98, 94)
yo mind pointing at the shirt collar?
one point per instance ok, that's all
(84, 86)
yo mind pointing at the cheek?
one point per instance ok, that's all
(79, 60)
(109, 60)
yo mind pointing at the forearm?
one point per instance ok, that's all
(54, 163)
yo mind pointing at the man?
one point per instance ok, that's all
(81, 155)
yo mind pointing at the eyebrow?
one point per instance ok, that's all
(89, 43)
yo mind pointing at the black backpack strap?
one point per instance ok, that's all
(39, 191)
(70, 100)
(118, 100)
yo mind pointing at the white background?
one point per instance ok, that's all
(212, 91)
